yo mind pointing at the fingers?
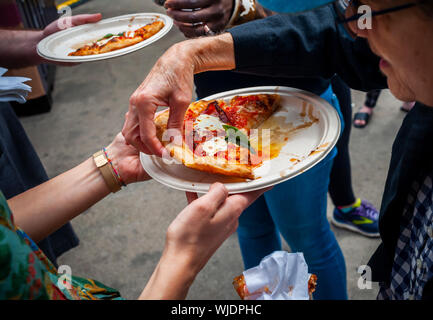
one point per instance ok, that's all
(177, 114)
(187, 4)
(139, 129)
(196, 16)
(211, 201)
(86, 18)
(131, 132)
(189, 30)
(151, 143)
(235, 205)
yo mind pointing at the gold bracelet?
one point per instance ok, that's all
(107, 172)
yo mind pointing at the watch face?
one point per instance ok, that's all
(100, 160)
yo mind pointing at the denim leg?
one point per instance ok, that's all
(258, 236)
(298, 208)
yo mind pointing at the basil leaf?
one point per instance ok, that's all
(234, 135)
(109, 35)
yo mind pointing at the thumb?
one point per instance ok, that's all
(85, 18)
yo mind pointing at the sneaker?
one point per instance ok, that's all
(362, 218)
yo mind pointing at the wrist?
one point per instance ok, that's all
(34, 38)
(170, 280)
(114, 155)
(211, 53)
(108, 171)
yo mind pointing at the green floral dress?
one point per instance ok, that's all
(26, 273)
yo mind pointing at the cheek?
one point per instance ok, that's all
(400, 86)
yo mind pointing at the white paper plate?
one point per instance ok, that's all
(309, 146)
(57, 46)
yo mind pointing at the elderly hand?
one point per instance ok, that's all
(170, 83)
(192, 15)
(126, 160)
(193, 237)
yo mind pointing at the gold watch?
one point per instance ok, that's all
(106, 170)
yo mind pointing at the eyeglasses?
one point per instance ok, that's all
(348, 11)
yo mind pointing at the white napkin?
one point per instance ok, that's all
(13, 88)
(284, 274)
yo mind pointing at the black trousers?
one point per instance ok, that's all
(340, 184)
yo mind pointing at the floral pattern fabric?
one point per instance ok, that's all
(26, 273)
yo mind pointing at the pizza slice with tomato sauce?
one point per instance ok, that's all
(121, 40)
(215, 137)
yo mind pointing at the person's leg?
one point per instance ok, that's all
(257, 234)
(348, 209)
(298, 208)
(366, 111)
(340, 184)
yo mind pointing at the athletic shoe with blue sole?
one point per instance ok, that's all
(363, 219)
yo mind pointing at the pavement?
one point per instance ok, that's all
(123, 235)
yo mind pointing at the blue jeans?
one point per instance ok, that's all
(297, 210)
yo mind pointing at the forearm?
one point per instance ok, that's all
(305, 45)
(210, 53)
(19, 48)
(45, 208)
(170, 280)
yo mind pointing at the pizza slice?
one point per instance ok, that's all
(215, 137)
(121, 40)
(241, 288)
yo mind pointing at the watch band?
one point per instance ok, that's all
(106, 170)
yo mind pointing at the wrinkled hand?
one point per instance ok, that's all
(213, 13)
(200, 229)
(65, 22)
(169, 83)
(126, 160)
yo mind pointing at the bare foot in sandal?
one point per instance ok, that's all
(362, 117)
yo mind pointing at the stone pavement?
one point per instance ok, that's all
(123, 235)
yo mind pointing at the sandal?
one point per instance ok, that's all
(361, 116)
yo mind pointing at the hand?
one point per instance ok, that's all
(193, 237)
(201, 228)
(126, 160)
(213, 13)
(169, 83)
(63, 23)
